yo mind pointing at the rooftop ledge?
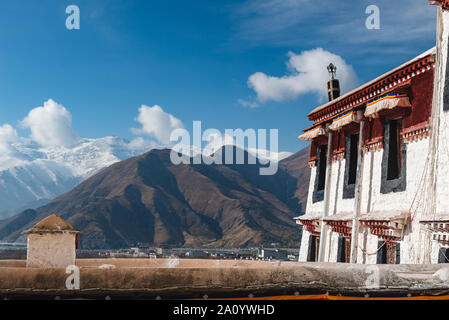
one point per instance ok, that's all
(429, 52)
(219, 278)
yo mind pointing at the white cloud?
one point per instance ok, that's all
(7, 135)
(50, 125)
(9, 156)
(140, 143)
(247, 104)
(308, 74)
(156, 123)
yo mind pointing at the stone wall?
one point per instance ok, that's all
(219, 278)
(51, 250)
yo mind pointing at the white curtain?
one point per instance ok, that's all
(387, 102)
(313, 133)
(345, 119)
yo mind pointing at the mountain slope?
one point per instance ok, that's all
(33, 175)
(149, 200)
(297, 166)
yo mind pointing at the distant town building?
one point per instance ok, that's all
(52, 243)
(272, 254)
(163, 251)
(292, 257)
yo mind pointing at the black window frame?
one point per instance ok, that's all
(312, 249)
(382, 252)
(398, 184)
(342, 254)
(351, 158)
(443, 254)
(446, 88)
(321, 168)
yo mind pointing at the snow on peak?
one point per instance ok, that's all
(31, 173)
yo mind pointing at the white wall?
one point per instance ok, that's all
(416, 246)
(443, 147)
(372, 200)
(303, 250)
(51, 250)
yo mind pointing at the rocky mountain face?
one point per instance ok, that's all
(148, 200)
(32, 175)
(296, 165)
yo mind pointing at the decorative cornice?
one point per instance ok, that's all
(342, 227)
(437, 226)
(312, 162)
(439, 230)
(374, 144)
(383, 229)
(339, 154)
(399, 79)
(416, 132)
(443, 3)
(313, 226)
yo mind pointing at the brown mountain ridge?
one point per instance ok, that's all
(148, 200)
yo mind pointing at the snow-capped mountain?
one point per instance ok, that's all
(31, 175)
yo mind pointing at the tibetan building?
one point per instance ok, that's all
(379, 165)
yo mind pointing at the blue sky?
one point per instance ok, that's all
(193, 59)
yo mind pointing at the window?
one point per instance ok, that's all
(353, 153)
(344, 249)
(314, 243)
(394, 159)
(320, 177)
(352, 142)
(322, 169)
(443, 255)
(388, 252)
(394, 156)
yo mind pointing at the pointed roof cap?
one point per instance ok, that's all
(52, 224)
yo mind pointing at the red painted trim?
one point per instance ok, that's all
(375, 90)
(309, 224)
(416, 127)
(415, 132)
(340, 227)
(443, 3)
(374, 144)
(375, 140)
(312, 161)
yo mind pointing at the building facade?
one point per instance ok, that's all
(380, 166)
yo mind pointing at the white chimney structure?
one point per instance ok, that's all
(52, 243)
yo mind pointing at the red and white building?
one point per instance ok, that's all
(379, 187)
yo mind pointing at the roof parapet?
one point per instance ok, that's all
(430, 54)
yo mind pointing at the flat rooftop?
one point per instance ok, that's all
(195, 278)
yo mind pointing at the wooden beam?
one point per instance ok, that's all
(443, 3)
